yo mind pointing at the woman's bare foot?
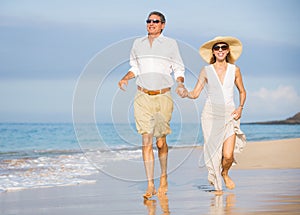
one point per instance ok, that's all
(164, 204)
(218, 192)
(150, 192)
(228, 182)
(163, 185)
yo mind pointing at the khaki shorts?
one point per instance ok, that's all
(153, 113)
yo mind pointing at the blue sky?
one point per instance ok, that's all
(46, 45)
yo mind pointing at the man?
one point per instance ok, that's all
(153, 58)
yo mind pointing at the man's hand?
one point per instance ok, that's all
(124, 80)
(123, 83)
(181, 91)
(185, 93)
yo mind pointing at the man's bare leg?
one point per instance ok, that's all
(162, 146)
(148, 157)
(227, 160)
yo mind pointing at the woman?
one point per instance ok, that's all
(220, 118)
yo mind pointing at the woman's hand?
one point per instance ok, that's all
(184, 93)
(181, 90)
(237, 114)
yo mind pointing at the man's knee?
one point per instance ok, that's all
(161, 143)
(147, 140)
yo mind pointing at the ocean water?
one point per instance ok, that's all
(36, 155)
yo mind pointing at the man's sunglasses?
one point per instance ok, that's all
(156, 21)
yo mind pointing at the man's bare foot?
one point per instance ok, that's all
(228, 182)
(150, 192)
(163, 185)
(151, 205)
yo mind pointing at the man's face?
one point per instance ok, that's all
(154, 25)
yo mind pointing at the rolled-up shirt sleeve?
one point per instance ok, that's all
(177, 65)
(133, 62)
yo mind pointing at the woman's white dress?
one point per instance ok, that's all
(218, 123)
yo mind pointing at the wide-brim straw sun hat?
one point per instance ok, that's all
(235, 48)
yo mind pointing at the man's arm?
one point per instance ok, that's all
(179, 70)
(125, 79)
(180, 89)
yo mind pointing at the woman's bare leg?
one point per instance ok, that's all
(227, 160)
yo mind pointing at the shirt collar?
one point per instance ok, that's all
(160, 38)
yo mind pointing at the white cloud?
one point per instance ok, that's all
(281, 94)
(272, 104)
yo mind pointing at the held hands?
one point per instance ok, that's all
(181, 90)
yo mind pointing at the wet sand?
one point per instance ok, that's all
(267, 182)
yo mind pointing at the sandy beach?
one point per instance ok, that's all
(266, 175)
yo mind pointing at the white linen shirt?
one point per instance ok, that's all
(152, 66)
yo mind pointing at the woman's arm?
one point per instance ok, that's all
(199, 85)
(242, 93)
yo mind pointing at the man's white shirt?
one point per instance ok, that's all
(153, 66)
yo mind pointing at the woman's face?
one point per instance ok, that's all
(220, 51)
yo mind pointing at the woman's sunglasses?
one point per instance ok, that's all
(223, 47)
